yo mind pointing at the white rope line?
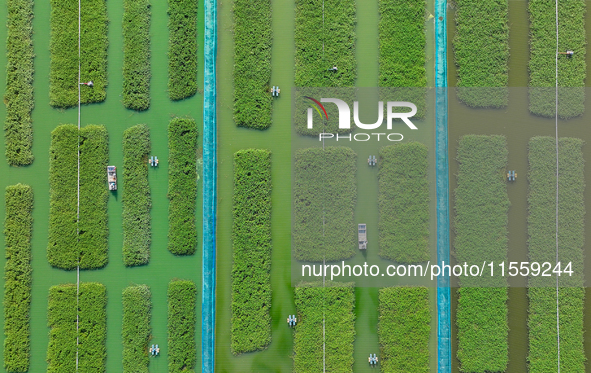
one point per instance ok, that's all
(78, 201)
(556, 145)
(324, 259)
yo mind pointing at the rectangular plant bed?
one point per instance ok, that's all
(403, 202)
(251, 237)
(335, 304)
(325, 193)
(482, 205)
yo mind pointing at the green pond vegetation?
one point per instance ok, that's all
(94, 194)
(481, 50)
(18, 128)
(572, 71)
(63, 182)
(325, 193)
(136, 54)
(252, 63)
(402, 43)
(136, 329)
(182, 186)
(61, 351)
(542, 248)
(182, 49)
(182, 350)
(335, 304)
(403, 203)
(251, 237)
(325, 37)
(73, 243)
(482, 206)
(63, 74)
(404, 328)
(137, 202)
(18, 225)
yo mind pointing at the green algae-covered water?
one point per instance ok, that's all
(278, 138)
(163, 266)
(518, 125)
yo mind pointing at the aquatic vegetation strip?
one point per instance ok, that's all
(61, 351)
(542, 248)
(481, 50)
(404, 328)
(182, 49)
(542, 206)
(182, 186)
(62, 247)
(137, 202)
(136, 54)
(136, 330)
(63, 73)
(251, 237)
(572, 71)
(182, 350)
(482, 206)
(94, 195)
(325, 193)
(66, 247)
(252, 63)
(482, 329)
(18, 226)
(18, 126)
(335, 304)
(403, 203)
(325, 37)
(402, 43)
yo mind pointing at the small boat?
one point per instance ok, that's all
(112, 177)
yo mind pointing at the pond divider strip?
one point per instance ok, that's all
(442, 187)
(209, 188)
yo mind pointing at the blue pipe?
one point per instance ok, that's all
(442, 181)
(209, 189)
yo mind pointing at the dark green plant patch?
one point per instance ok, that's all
(137, 202)
(72, 242)
(481, 50)
(182, 351)
(62, 249)
(403, 202)
(18, 226)
(182, 186)
(404, 328)
(136, 332)
(92, 332)
(136, 54)
(182, 49)
(63, 73)
(18, 129)
(325, 37)
(482, 206)
(251, 237)
(335, 303)
(325, 193)
(572, 71)
(252, 63)
(542, 248)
